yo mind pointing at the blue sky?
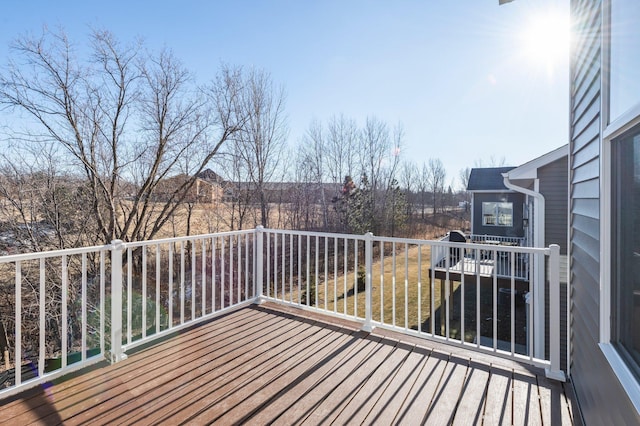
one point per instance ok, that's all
(455, 73)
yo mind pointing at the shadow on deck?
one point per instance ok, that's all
(271, 364)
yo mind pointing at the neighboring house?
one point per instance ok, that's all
(506, 207)
(506, 201)
(207, 188)
(495, 209)
(210, 187)
(604, 203)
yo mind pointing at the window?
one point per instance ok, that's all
(497, 214)
(625, 261)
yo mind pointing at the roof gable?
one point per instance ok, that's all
(529, 170)
(488, 179)
(210, 176)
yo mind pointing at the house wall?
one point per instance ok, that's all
(601, 397)
(502, 231)
(553, 179)
(207, 192)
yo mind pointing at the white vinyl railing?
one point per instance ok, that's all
(71, 308)
(171, 283)
(53, 313)
(480, 296)
(496, 240)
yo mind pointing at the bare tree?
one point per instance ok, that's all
(409, 182)
(492, 162)
(394, 201)
(464, 175)
(303, 211)
(313, 156)
(341, 142)
(341, 145)
(42, 207)
(375, 146)
(422, 187)
(126, 121)
(238, 199)
(260, 143)
(110, 148)
(379, 155)
(436, 174)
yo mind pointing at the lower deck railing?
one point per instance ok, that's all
(71, 308)
(496, 240)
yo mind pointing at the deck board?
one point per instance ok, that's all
(270, 364)
(231, 371)
(473, 395)
(498, 408)
(418, 399)
(344, 374)
(162, 383)
(526, 401)
(263, 387)
(368, 396)
(553, 402)
(392, 400)
(343, 394)
(443, 405)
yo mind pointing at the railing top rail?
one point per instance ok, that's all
(313, 234)
(133, 244)
(52, 253)
(93, 249)
(444, 243)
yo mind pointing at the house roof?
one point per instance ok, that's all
(210, 176)
(488, 179)
(529, 170)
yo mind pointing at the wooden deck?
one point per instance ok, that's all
(268, 364)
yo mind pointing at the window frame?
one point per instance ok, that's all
(611, 132)
(495, 214)
(618, 185)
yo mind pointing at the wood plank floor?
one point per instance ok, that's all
(273, 365)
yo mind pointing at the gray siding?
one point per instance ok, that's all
(554, 183)
(504, 231)
(600, 395)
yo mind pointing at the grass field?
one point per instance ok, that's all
(403, 289)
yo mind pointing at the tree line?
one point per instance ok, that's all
(354, 179)
(107, 142)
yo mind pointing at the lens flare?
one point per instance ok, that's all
(545, 39)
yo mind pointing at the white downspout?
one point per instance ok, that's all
(538, 266)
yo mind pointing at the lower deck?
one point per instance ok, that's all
(272, 364)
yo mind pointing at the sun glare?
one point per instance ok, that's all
(545, 39)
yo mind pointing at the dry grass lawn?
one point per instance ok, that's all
(404, 295)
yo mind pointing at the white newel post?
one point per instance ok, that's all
(554, 371)
(259, 263)
(368, 254)
(539, 308)
(117, 354)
